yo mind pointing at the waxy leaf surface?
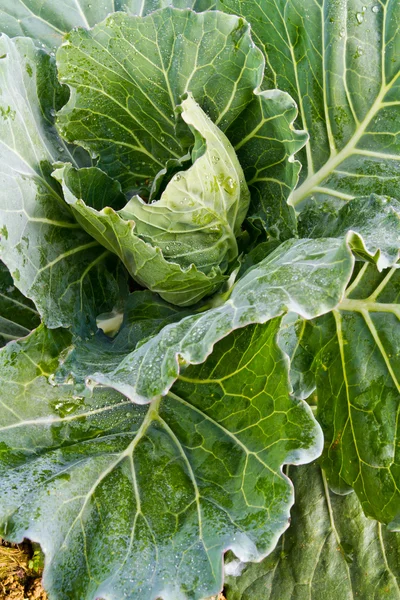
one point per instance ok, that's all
(18, 315)
(331, 550)
(141, 501)
(52, 260)
(128, 75)
(48, 21)
(374, 223)
(357, 367)
(340, 62)
(303, 276)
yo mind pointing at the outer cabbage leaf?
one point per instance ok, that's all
(374, 223)
(331, 550)
(52, 260)
(145, 314)
(265, 142)
(18, 315)
(128, 74)
(357, 367)
(340, 62)
(48, 21)
(140, 502)
(303, 276)
(180, 245)
(293, 339)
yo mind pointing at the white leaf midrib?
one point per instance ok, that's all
(309, 184)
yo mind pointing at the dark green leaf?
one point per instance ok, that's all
(52, 260)
(18, 315)
(265, 142)
(140, 502)
(330, 552)
(303, 276)
(340, 62)
(128, 75)
(357, 367)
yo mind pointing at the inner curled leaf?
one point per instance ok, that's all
(181, 245)
(202, 209)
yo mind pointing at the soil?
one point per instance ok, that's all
(20, 572)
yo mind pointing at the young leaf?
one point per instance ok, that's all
(52, 260)
(200, 213)
(357, 366)
(132, 501)
(145, 262)
(303, 276)
(18, 315)
(180, 245)
(340, 62)
(128, 74)
(331, 550)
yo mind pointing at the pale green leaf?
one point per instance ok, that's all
(180, 245)
(128, 75)
(293, 340)
(303, 276)
(18, 315)
(52, 260)
(330, 552)
(340, 62)
(48, 21)
(145, 262)
(201, 211)
(357, 366)
(141, 502)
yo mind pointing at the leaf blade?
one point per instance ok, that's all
(117, 476)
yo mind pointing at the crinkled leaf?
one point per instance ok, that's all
(18, 315)
(303, 276)
(357, 366)
(340, 62)
(145, 314)
(201, 211)
(47, 21)
(128, 74)
(265, 141)
(180, 245)
(374, 222)
(140, 502)
(52, 260)
(293, 338)
(180, 286)
(331, 550)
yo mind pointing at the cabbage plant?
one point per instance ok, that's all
(199, 296)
